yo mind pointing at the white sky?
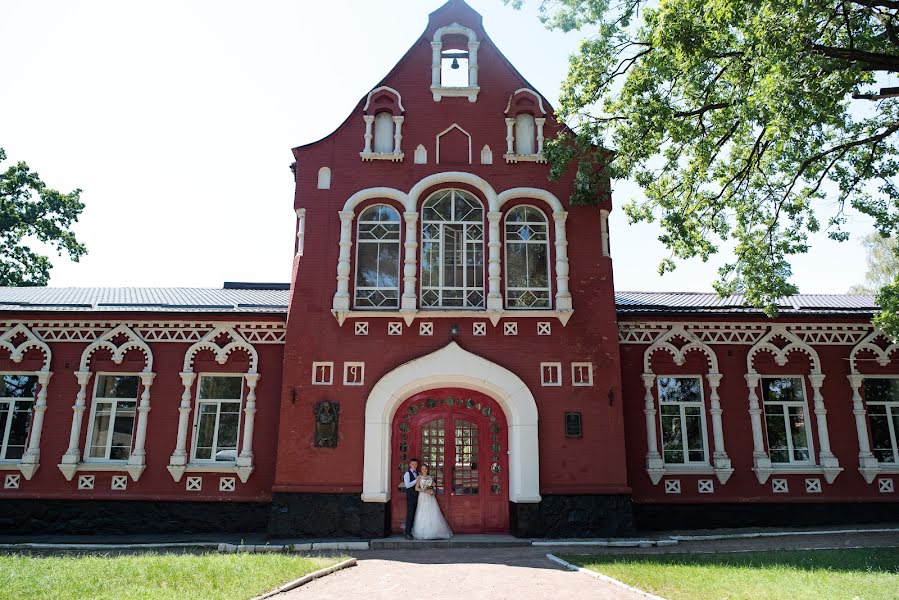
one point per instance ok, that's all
(177, 120)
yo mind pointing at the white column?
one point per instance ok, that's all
(563, 296)
(829, 462)
(397, 134)
(245, 459)
(32, 456)
(761, 462)
(179, 456)
(867, 462)
(540, 123)
(721, 460)
(301, 230)
(604, 231)
(473, 64)
(342, 296)
(72, 455)
(410, 262)
(655, 466)
(138, 455)
(494, 296)
(369, 120)
(510, 136)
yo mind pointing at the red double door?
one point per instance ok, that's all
(461, 435)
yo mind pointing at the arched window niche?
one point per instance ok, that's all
(527, 259)
(454, 51)
(525, 118)
(383, 117)
(377, 283)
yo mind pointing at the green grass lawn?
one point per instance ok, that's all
(865, 574)
(151, 576)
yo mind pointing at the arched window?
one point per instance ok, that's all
(384, 133)
(527, 258)
(378, 258)
(452, 251)
(383, 117)
(525, 134)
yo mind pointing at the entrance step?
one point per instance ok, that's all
(457, 541)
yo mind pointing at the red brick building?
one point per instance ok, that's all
(446, 302)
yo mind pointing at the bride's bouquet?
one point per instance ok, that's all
(426, 484)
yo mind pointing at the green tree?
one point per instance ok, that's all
(883, 264)
(29, 212)
(750, 122)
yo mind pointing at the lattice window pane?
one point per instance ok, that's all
(465, 471)
(433, 450)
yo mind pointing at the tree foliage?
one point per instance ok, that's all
(883, 264)
(29, 212)
(750, 123)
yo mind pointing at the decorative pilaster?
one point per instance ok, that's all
(473, 67)
(868, 465)
(436, 50)
(720, 459)
(494, 296)
(245, 458)
(397, 134)
(563, 296)
(829, 463)
(369, 120)
(655, 466)
(342, 296)
(761, 463)
(604, 231)
(138, 459)
(510, 136)
(178, 461)
(539, 122)
(301, 230)
(410, 264)
(70, 459)
(32, 457)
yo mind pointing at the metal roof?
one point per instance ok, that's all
(153, 299)
(699, 302)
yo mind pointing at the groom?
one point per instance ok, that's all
(409, 478)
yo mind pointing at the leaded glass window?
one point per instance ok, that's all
(218, 418)
(378, 258)
(465, 471)
(16, 403)
(112, 426)
(683, 420)
(882, 398)
(452, 251)
(527, 258)
(433, 450)
(786, 420)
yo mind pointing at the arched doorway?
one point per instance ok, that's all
(462, 436)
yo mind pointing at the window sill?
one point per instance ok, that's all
(26, 469)
(391, 156)
(657, 471)
(517, 158)
(242, 471)
(134, 470)
(494, 316)
(470, 92)
(764, 472)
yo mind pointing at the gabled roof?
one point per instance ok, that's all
(698, 302)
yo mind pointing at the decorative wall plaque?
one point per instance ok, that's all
(327, 415)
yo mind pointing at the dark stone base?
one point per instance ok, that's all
(79, 517)
(670, 517)
(560, 516)
(327, 515)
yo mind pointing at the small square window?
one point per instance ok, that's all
(550, 374)
(544, 328)
(582, 374)
(510, 328)
(672, 486)
(885, 486)
(12, 481)
(813, 486)
(227, 484)
(119, 482)
(194, 484)
(479, 328)
(706, 486)
(574, 427)
(86, 482)
(779, 486)
(322, 373)
(395, 328)
(426, 328)
(353, 373)
(361, 327)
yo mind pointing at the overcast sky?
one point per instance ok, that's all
(177, 120)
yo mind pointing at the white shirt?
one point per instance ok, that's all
(409, 478)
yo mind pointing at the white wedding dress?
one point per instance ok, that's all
(429, 523)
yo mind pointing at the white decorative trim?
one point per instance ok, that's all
(577, 374)
(322, 373)
(604, 231)
(426, 328)
(227, 484)
(517, 158)
(395, 328)
(399, 98)
(551, 374)
(885, 485)
(421, 155)
(119, 482)
(813, 485)
(437, 88)
(679, 355)
(301, 230)
(706, 486)
(354, 373)
(194, 484)
(32, 341)
(209, 342)
(672, 486)
(86, 482)
(361, 327)
(495, 316)
(324, 179)
(646, 332)
(12, 481)
(544, 328)
(447, 130)
(510, 328)
(525, 91)
(451, 366)
(780, 486)
(479, 328)
(486, 155)
(391, 156)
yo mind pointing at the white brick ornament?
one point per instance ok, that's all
(86, 482)
(551, 374)
(395, 328)
(544, 328)
(479, 328)
(582, 374)
(194, 484)
(119, 482)
(426, 328)
(672, 486)
(885, 486)
(354, 373)
(322, 373)
(706, 486)
(510, 328)
(227, 484)
(12, 481)
(779, 486)
(361, 327)
(813, 486)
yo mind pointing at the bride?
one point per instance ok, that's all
(429, 523)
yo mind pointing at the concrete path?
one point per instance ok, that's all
(472, 574)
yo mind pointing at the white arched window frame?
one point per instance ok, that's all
(527, 270)
(524, 128)
(72, 461)
(437, 55)
(242, 465)
(452, 250)
(18, 340)
(378, 252)
(383, 128)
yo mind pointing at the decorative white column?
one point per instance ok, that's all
(868, 465)
(655, 466)
(397, 134)
(760, 460)
(473, 66)
(342, 296)
(369, 120)
(539, 122)
(604, 231)
(510, 136)
(178, 461)
(563, 296)
(301, 230)
(721, 460)
(72, 456)
(138, 459)
(410, 264)
(245, 459)
(436, 51)
(829, 463)
(32, 456)
(494, 296)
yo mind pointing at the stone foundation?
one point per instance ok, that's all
(327, 515)
(576, 516)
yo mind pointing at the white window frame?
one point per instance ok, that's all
(776, 465)
(574, 367)
(399, 259)
(682, 405)
(891, 408)
(196, 425)
(86, 457)
(506, 242)
(556, 368)
(346, 373)
(465, 288)
(4, 435)
(330, 366)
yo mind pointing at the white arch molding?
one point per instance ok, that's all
(452, 366)
(437, 88)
